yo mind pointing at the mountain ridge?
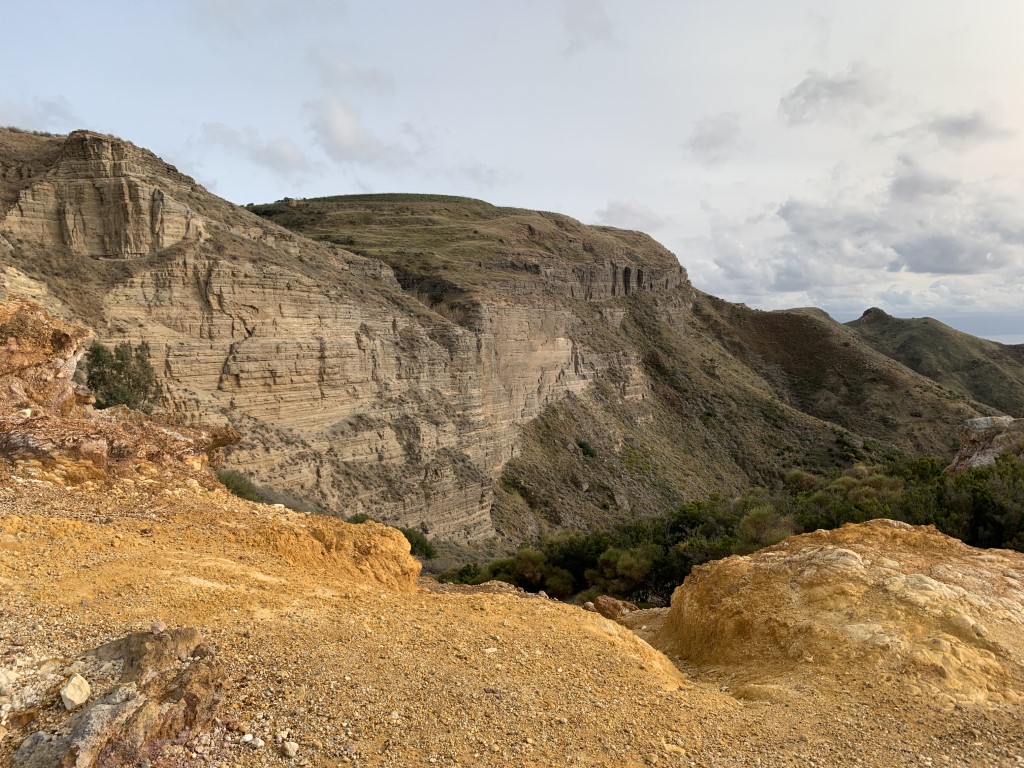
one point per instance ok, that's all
(441, 363)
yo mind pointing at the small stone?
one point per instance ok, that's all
(257, 743)
(75, 692)
(247, 738)
(157, 627)
(289, 749)
(589, 606)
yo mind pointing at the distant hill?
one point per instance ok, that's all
(983, 370)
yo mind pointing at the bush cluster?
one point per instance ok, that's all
(121, 377)
(644, 560)
(240, 485)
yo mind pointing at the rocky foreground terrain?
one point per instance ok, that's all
(151, 618)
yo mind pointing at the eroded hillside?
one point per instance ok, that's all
(441, 363)
(712, 396)
(152, 618)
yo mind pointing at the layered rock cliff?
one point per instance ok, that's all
(442, 363)
(350, 392)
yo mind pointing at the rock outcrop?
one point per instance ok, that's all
(983, 440)
(46, 419)
(160, 688)
(38, 358)
(893, 601)
(97, 200)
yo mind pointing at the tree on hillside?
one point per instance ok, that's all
(121, 377)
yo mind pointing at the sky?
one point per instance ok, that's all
(835, 154)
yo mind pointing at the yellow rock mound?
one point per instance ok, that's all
(882, 599)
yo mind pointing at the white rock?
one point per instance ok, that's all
(257, 743)
(289, 749)
(75, 692)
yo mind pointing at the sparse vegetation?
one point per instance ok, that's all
(645, 560)
(122, 377)
(240, 485)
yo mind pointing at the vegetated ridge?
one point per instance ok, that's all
(983, 370)
(477, 373)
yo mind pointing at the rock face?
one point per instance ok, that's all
(38, 357)
(907, 603)
(169, 688)
(447, 376)
(46, 419)
(982, 440)
(352, 394)
(95, 202)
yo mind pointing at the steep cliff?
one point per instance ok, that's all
(350, 392)
(441, 363)
(704, 396)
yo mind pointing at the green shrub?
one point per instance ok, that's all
(360, 518)
(121, 377)
(240, 485)
(419, 545)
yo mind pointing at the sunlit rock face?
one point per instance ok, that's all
(891, 600)
(349, 392)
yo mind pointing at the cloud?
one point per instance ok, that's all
(715, 138)
(338, 129)
(949, 253)
(912, 183)
(842, 96)
(966, 127)
(281, 155)
(338, 73)
(41, 115)
(480, 173)
(920, 242)
(586, 24)
(955, 129)
(631, 215)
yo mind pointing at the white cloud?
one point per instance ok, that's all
(956, 130)
(922, 242)
(715, 138)
(631, 215)
(840, 97)
(338, 130)
(587, 24)
(281, 155)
